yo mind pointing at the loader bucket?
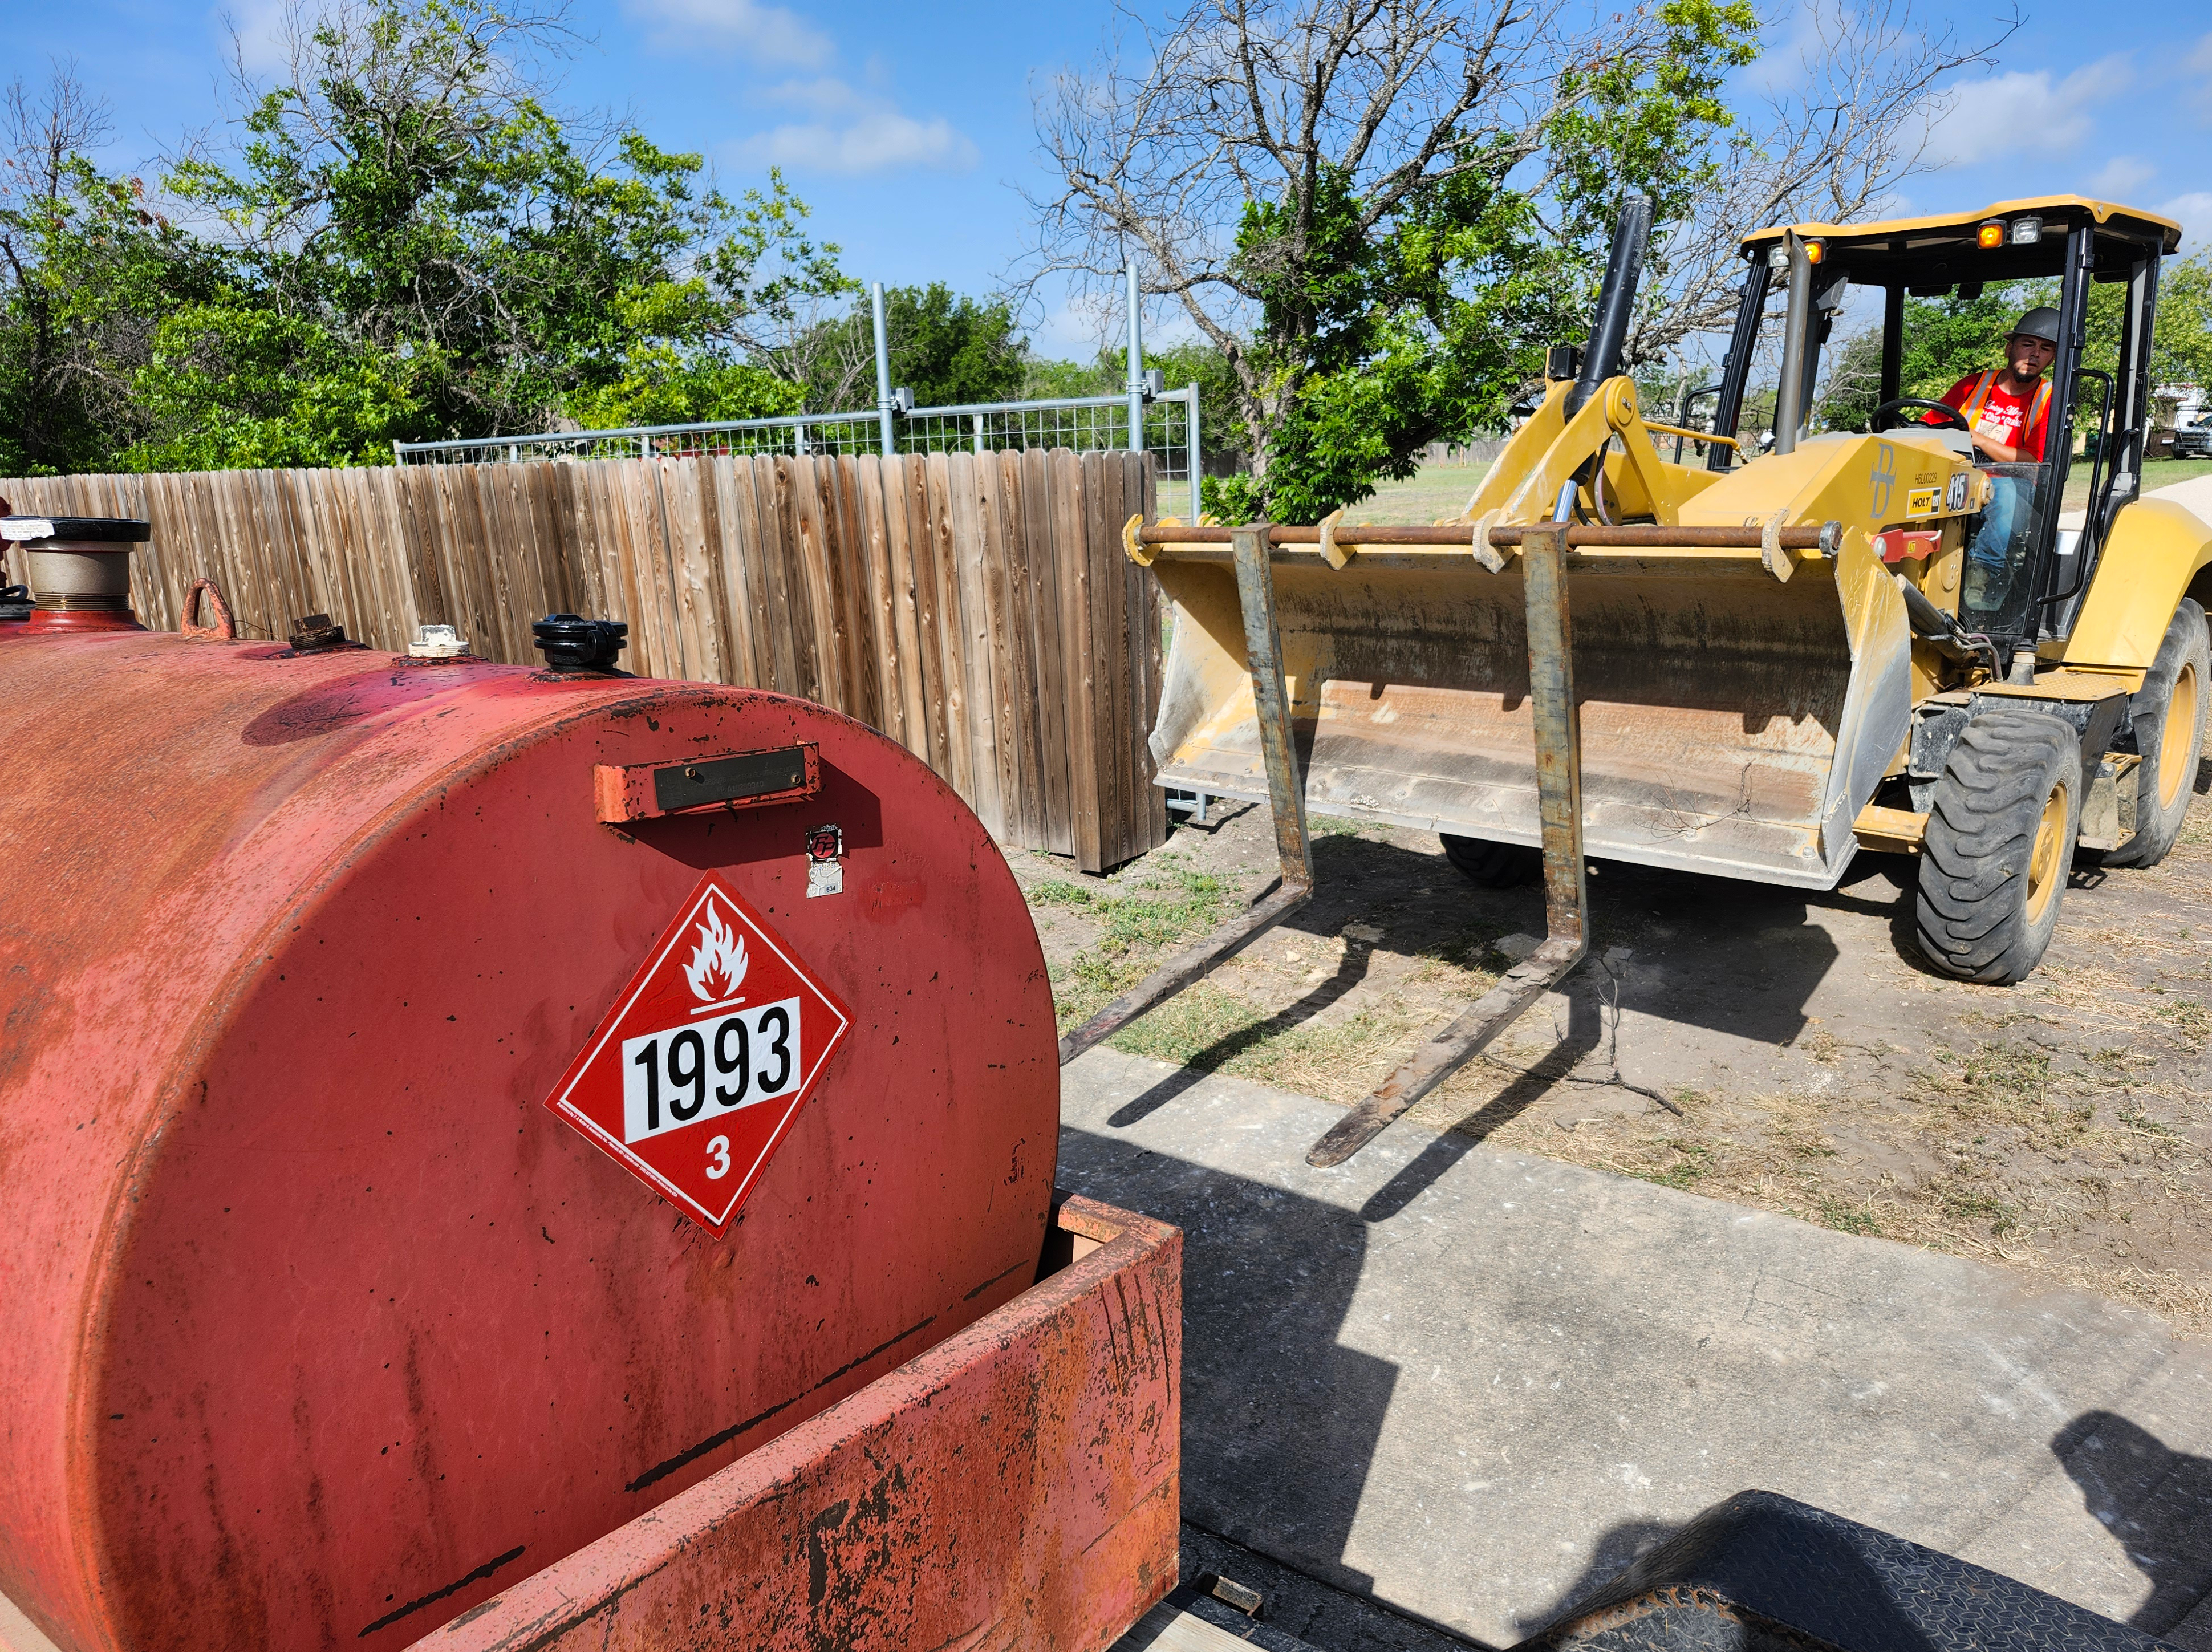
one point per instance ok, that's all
(1731, 722)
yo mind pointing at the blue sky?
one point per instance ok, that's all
(908, 127)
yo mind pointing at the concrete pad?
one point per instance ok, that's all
(2194, 495)
(1477, 1383)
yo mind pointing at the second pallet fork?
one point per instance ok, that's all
(1559, 781)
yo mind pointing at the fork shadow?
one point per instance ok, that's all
(1350, 971)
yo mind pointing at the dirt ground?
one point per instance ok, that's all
(2062, 1126)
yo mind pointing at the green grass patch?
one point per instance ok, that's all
(1334, 826)
(1205, 1027)
(1849, 1218)
(2137, 1120)
(1175, 904)
(2188, 1016)
(1969, 1204)
(1171, 907)
(1692, 1162)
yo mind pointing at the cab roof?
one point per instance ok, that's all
(1942, 247)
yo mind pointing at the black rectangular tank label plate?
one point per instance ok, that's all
(731, 779)
(727, 780)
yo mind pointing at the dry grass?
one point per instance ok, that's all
(1993, 1155)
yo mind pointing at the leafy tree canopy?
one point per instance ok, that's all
(405, 243)
(1380, 217)
(416, 248)
(87, 266)
(947, 348)
(1945, 338)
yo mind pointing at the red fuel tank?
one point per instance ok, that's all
(323, 1327)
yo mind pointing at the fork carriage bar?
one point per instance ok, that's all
(1823, 537)
(1558, 789)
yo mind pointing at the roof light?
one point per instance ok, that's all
(1777, 256)
(1991, 234)
(1815, 250)
(2025, 232)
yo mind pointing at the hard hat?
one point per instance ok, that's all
(2041, 322)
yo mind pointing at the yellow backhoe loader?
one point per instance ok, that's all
(1752, 663)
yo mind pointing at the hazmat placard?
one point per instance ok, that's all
(695, 1075)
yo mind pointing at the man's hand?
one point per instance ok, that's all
(1993, 450)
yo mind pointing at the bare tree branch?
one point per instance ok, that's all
(1161, 152)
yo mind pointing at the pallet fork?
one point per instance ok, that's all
(1558, 778)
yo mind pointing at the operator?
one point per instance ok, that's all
(2008, 410)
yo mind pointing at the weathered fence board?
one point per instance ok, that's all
(975, 607)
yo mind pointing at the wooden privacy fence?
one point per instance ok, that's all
(977, 608)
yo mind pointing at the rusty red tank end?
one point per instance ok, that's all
(1016, 1486)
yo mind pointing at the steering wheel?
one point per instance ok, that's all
(1952, 420)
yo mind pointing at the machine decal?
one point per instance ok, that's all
(694, 1077)
(1920, 502)
(1883, 481)
(1954, 496)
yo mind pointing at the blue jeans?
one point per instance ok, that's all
(1992, 559)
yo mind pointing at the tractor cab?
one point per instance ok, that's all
(2033, 549)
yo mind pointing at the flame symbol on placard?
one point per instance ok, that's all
(718, 963)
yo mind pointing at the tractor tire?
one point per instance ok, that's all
(1494, 866)
(2169, 714)
(1999, 846)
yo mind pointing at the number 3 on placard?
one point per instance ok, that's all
(718, 1158)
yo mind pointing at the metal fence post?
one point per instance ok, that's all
(1136, 366)
(1192, 451)
(883, 377)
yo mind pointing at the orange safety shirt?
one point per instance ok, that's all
(1998, 413)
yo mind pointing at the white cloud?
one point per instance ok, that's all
(824, 95)
(2193, 212)
(1991, 120)
(1788, 51)
(2198, 68)
(2121, 177)
(770, 35)
(879, 140)
(261, 29)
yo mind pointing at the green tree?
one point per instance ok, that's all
(1380, 215)
(946, 347)
(2183, 344)
(416, 248)
(84, 267)
(1944, 339)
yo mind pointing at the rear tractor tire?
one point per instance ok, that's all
(2168, 715)
(1494, 866)
(2000, 846)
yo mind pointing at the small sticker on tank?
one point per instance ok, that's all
(825, 863)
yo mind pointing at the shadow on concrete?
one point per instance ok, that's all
(1280, 1420)
(1585, 1031)
(2156, 1501)
(1614, 1553)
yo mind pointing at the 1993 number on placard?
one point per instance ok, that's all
(679, 1076)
